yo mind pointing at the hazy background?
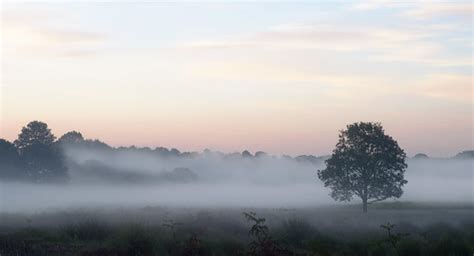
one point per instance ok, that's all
(103, 178)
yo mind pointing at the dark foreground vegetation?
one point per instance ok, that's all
(398, 229)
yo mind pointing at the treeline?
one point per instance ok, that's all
(34, 156)
(38, 156)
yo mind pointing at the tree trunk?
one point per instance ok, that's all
(364, 205)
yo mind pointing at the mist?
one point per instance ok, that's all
(140, 178)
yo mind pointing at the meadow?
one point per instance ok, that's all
(398, 228)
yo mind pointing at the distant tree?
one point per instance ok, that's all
(182, 174)
(174, 152)
(162, 151)
(308, 158)
(35, 132)
(261, 154)
(246, 153)
(468, 154)
(366, 163)
(8, 152)
(420, 156)
(41, 157)
(71, 137)
(189, 154)
(96, 145)
(10, 163)
(44, 163)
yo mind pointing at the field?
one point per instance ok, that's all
(236, 127)
(418, 229)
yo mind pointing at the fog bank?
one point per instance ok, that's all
(137, 179)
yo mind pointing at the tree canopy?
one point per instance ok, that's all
(366, 163)
(71, 138)
(41, 158)
(10, 163)
(35, 132)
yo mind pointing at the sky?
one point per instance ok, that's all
(280, 77)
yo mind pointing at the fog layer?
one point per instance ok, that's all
(106, 178)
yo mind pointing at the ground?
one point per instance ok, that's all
(419, 229)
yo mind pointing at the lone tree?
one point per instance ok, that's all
(366, 163)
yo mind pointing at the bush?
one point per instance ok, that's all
(86, 231)
(135, 240)
(296, 232)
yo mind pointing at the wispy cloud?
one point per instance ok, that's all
(453, 87)
(311, 36)
(440, 9)
(380, 44)
(24, 38)
(420, 8)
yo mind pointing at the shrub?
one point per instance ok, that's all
(89, 230)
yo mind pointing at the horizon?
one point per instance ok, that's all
(252, 152)
(283, 78)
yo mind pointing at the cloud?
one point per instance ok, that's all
(368, 5)
(23, 37)
(452, 87)
(257, 69)
(419, 8)
(311, 36)
(380, 44)
(430, 10)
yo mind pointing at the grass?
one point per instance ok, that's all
(329, 232)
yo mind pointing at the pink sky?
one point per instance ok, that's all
(284, 82)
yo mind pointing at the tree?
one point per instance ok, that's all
(8, 152)
(10, 163)
(246, 153)
(72, 137)
(41, 156)
(421, 156)
(260, 154)
(468, 154)
(44, 163)
(35, 132)
(366, 163)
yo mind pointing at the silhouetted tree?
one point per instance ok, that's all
(41, 157)
(10, 163)
(468, 154)
(72, 137)
(366, 163)
(420, 156)
(308, 158)
(246, 153)
(174, 152)
(34, 132)
(44, 163)
(96, 145)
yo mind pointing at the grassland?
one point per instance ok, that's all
(414, 229)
